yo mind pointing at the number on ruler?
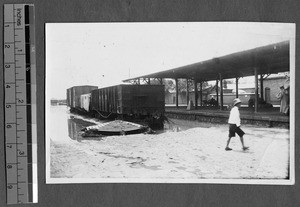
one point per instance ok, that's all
(6, 46)
(7, 66)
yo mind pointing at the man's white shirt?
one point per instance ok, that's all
(234, 117)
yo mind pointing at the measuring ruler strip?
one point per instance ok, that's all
(20, 103)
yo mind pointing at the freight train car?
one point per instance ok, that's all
(137, 103)
(74, 96)
(129, 100)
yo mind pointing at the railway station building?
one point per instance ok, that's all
(259, 63)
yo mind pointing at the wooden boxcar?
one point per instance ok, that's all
(74, 93)
(132, 100)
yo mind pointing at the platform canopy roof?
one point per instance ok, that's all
(267, 59)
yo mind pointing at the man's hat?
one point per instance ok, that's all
(236, 101)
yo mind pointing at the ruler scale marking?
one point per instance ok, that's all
(19, 54)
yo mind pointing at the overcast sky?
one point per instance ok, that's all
(104, 54)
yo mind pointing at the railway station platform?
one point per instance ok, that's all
(266, 117)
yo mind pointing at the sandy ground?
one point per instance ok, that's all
(189, 151)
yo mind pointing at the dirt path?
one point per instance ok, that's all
(191, 154)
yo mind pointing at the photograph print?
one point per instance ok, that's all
(170, 102)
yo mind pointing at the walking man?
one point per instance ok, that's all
(235, 123)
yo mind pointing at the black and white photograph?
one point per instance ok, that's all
(170, 102)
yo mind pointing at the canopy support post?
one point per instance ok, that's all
(237, 87)
(176, 95)
(201, 98)
(217, 90)
(196, 94)
(262, 86)
(187, 92)
(256, 90)
(221, 94)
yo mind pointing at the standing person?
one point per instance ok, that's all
(213, 101)
(235, 123)
(284, 99)
(286, 86)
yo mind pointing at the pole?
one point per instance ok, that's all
(201, 99)
(187, 92)
(237, 87)
(217, 91)
(176, 82)
(261, 86)
(196, 94)
(221, 95)
(256, 89)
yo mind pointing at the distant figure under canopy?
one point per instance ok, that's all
(283, 96)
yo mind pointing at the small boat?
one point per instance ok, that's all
(117, 127)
